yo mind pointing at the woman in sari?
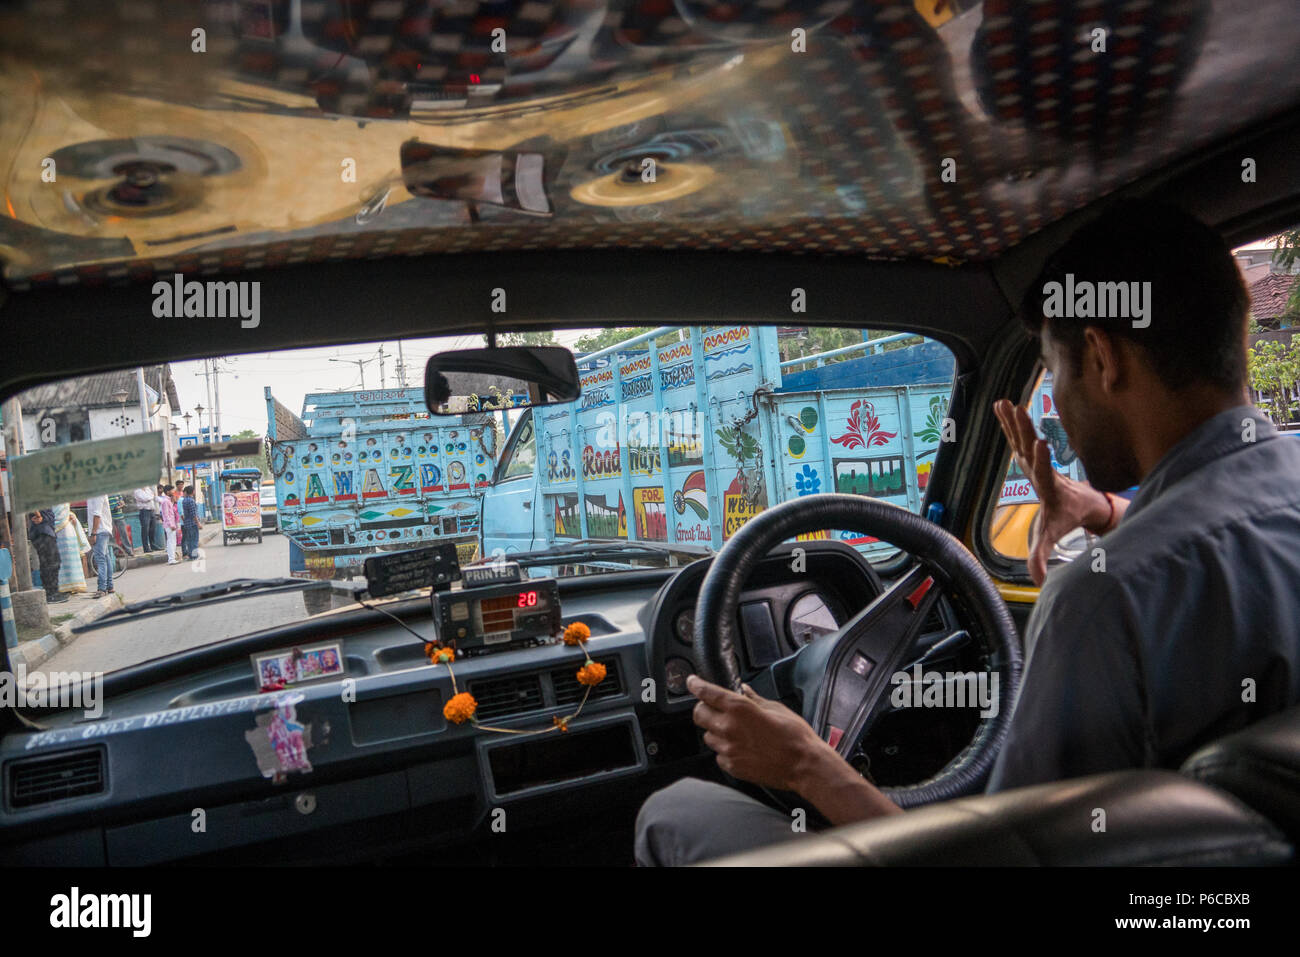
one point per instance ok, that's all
(72, 545)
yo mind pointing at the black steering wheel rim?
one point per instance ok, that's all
(942, 555)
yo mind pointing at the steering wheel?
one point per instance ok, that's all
(837, 681)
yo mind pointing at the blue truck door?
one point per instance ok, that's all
(510, 505)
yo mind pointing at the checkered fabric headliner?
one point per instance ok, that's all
(929, 129)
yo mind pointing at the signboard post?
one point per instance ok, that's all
(62, 474)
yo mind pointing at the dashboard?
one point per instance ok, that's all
(372, 742)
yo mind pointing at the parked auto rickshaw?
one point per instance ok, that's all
(241, 504)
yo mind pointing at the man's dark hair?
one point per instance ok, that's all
(1198, 303)
(189, 490)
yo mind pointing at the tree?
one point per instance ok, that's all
(1273, 369)
(1287, 250)
(815, 339)
(1285, 255)
(258, 461)
(544, 338)
(612, 337)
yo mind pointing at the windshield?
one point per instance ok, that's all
(679, 437)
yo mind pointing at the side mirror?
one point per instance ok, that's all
(510, 377)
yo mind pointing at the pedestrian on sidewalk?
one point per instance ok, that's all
(171, 521)
(159, 533)
(144, 507)
(100, 516)
(189, 524)
(123, 533)
(72, 545)
(45, 542)
(174, 493)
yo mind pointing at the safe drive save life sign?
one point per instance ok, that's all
(70, 473)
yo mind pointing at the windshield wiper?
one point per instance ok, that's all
(586, 552)
(204, 595)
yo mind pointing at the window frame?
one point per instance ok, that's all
(512, 445)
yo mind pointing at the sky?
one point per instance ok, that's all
(293, 374)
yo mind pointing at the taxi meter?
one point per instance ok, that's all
(497, 609)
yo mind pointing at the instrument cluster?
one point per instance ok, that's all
(780, 613)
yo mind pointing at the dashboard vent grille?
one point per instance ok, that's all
(510, 695)
(568, 691)
(933, 621)
(70, 774)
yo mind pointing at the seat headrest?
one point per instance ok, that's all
(1150, 818)
(1260, 766)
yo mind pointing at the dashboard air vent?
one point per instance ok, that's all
(568, 691)
(509, 695)
(69, 774)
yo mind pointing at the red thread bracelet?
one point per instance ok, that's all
(1110, 500)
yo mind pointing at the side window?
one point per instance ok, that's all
(523, 454)
(1016, 512)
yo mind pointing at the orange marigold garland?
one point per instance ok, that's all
(576, 634)
(591, 674)
(460, 708)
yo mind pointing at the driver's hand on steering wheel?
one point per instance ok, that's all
(755, 739)
(767, 744)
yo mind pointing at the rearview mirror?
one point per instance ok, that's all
(511, 377)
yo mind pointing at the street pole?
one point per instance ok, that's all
(13, 416)
(207, 363)
(382, 384)
(361, 365)
(144, 400)
(209, 372)
(401, 366)
(216, 390)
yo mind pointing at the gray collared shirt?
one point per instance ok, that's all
(1182, 627)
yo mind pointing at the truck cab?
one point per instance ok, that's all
(509, 516)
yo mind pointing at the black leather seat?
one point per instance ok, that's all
(1261, 766)
(1150, 818)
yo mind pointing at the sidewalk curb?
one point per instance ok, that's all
(32, 654)
(92, 610)
(159, 556)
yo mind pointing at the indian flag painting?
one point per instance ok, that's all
(693, 495)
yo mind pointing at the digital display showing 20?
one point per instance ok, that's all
(499, 613)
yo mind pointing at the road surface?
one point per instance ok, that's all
(130, 643)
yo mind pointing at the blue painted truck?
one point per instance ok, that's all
(683, 441)
(361, 472)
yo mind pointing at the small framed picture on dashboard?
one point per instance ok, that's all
(294, 666)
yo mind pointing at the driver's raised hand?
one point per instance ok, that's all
(755, 739)
(1065, 504)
